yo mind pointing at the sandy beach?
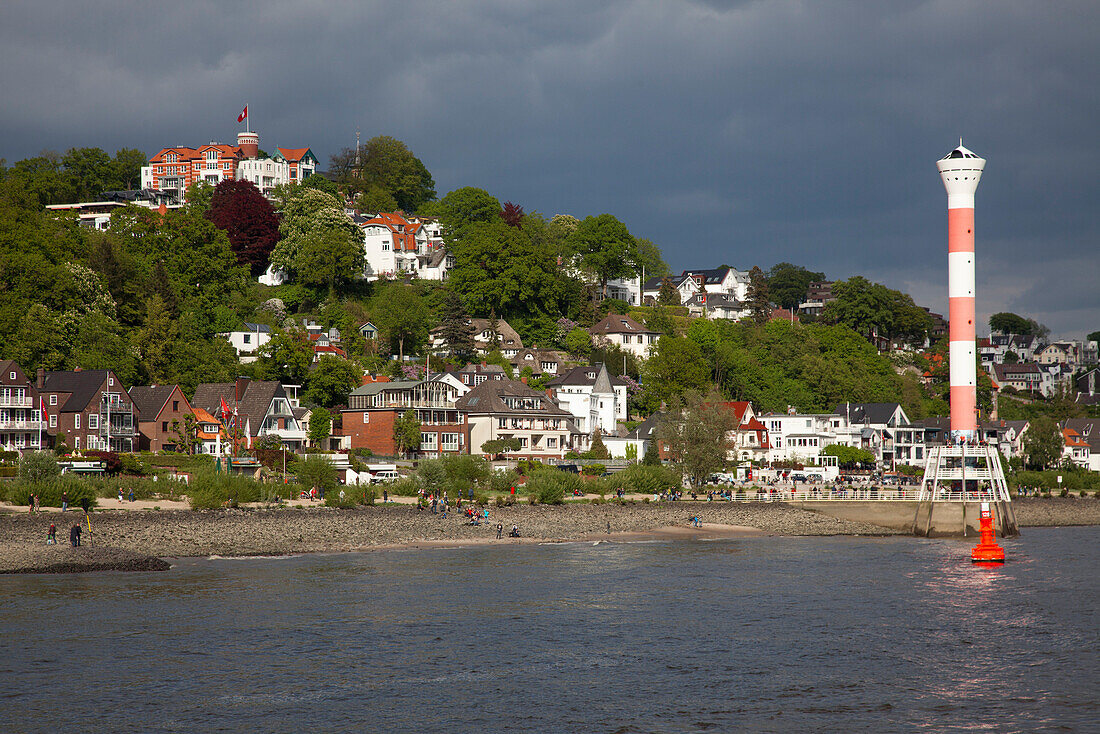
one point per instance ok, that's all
(134, 533)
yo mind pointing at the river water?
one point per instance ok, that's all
(759, 634)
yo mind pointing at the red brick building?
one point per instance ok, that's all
(91, 407)
(21, 422)
(373, 410)
(158, 406)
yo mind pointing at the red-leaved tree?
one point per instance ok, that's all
(248, 219)
(512, 214)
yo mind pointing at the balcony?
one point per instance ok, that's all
(121, 426)
(24, 425)
(12, 401)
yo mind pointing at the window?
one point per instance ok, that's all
(12, 374)
(164, 426)
(110, 382)
(93, 421)
(76, 424)
(53, 420)
(502, 422)
(175, 405)
(366, 417)
(522, 443)
(76, 441)
(551, 442)
(247, 338)
(449, 441)
(428, 441)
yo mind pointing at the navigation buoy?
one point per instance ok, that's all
(987, 550)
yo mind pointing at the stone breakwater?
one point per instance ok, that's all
(1032, 512)
(38, 558)
(318, 529)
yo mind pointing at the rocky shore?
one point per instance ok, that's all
(138, 540)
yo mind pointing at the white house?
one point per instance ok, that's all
(730, 281)
(592, 396)
(640, 439)
(626, 333)
(246, 343)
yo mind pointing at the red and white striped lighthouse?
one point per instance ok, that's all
(961, 169)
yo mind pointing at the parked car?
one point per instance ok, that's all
(384, 477)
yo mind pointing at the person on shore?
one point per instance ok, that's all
(64, 501)
(434, 502)
(609, 527)
(131, 494)
(385, 495)
(51, 535)
(500, 530)
(120, 494)
(313, 493)
(74, 535)
(514, 532)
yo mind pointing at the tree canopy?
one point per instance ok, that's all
(248, 219)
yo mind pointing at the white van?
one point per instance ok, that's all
(386, 476)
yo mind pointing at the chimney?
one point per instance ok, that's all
(240, 387)
(40, 379)
(523, 380)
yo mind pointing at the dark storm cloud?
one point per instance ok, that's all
(738, 132)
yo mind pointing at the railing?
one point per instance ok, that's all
(117, 430)
(845, 495)
(13, 402)
(25, 425)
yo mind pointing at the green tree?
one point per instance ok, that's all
(650, 261)
(375, 199)
(320, 183)
(1042, 443)
(1094, 337)
(186, 433)
(675, 367)
(152, 343)
(695, 430)
(286, 358)
(848, 456)
(498, 269)
(320, 245)
(668, 295)
(126, 169)
(606, 248)
(1010, 323)
(406, 433)
(388, 163)
(402, 317)
(757, 297)
(463, 207)
(320, 426)
(39, 342)
(90, 169)
(578, 343)
(455, 329)
(331, 380)
(788, 284)
(597, 449)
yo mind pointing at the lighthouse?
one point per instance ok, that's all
(961, 170)
(964, 469)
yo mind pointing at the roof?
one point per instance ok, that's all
(373, 388)
(294, 154)
(259, 328)
(1004, 372)
(619, 324)
(253, 405)
(1088, 429)
(84, 386)
(867, 412)
(710, 300)
(646, 430)
(595, 375)
(489, 398)
(149, 400)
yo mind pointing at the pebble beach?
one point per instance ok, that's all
(138, 540)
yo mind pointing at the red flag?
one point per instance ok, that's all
(244, 113)
(225, 409)
(42, 408)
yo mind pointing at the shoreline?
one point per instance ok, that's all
(140, 540)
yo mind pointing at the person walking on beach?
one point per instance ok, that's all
(131, 494)
(385, 496)
(51, 536)
(500, 530)
(64, 501)
(74, 535)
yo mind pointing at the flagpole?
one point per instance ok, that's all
(247, 120)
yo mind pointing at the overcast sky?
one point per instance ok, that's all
(740, 133)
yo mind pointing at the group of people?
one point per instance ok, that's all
(130, 496)
(74, 535)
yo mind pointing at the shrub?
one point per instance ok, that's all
(405, 487)
(112, 463)
(550, 486)
(642, 478)
(133, 465)
(1064, 493)
(503, 481)
(210, 490)
(37, 467)
(49, 492)
(347, 497)
(313, 471)
(593, 470)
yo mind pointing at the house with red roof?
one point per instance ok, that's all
(172, 170)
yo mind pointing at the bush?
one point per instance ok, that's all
(351, 496)
(112, 463)
(49, 492)
(37, 467)
(314, 471)
(405, 487)
(503, 481)
(210, 490)
(133, 465)
(642, 478)
(550, 486)
(593, 470)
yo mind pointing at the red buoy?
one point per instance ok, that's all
(987, 550)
